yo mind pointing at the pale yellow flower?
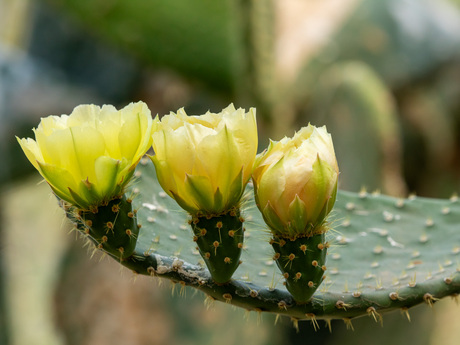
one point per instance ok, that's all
(295, 182)
(89, 156)
(204, 162)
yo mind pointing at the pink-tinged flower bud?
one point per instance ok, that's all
(295, 183)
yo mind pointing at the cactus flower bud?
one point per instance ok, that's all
(295, 185)
(295, 182)
(204, 162)
(89, 156)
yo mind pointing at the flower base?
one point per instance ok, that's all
(112, 228)
(302, 262)
(220, 241)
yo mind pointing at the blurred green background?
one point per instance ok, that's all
(384, 76)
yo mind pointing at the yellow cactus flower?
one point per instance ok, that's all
(89, 156)
(295, 182)
(204, 162)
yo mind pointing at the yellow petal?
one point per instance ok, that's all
(141, 113)
(165, 177)
(51, 123)
(301, 186)
(109, 113)
(159, 144)
(58, 150)
(271, 185)
(297, 167)
(84, 114)
(110, 130)
(197, 132)
(32, 151)
(179, 153)
(88, 145)
(217, 155)
(130, 137)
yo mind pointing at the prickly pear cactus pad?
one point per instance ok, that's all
(385, 254)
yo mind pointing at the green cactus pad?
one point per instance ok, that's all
(302, 262)
(220, 242)
(385, 254)
(112, 228)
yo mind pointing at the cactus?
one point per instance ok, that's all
(377, 35)
(385, 254)
(424, 113)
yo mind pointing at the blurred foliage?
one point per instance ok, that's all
(196, 38)
(83, 60)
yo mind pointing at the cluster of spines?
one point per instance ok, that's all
(302, 262)
(220, 241)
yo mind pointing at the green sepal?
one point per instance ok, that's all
(87, 191)
(182, 203)
(199, 189)
(298, 218)
(106, 171)
(319, 182)
(272, 219)
(236, 190)
(53, 173)
(328, 206)
(77, 199)
(218, 199)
